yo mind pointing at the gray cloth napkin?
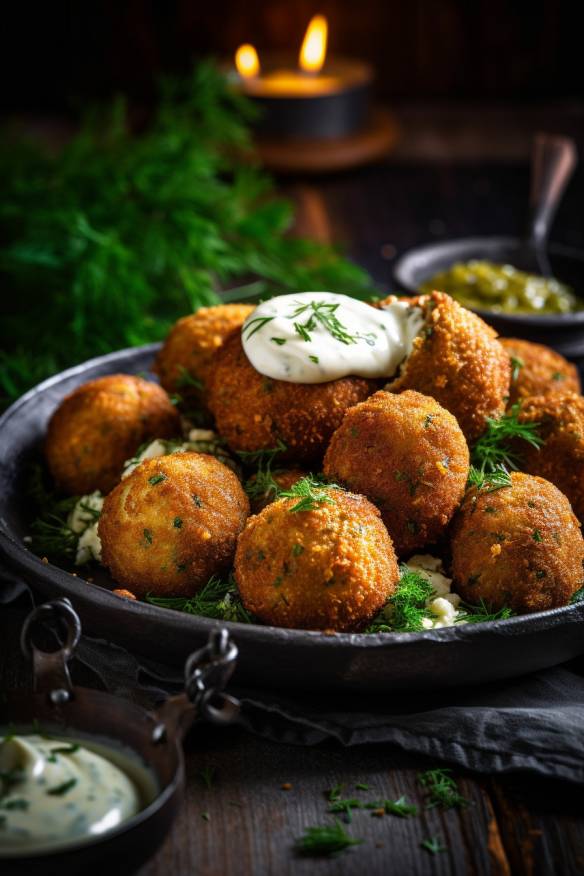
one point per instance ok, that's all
(533, 724)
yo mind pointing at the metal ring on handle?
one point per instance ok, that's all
(59, 611)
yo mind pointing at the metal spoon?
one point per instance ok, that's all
(553, 161)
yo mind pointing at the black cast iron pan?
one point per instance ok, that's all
(269, 657)
(153, 740)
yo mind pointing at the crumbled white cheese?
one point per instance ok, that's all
(84, 519)
(199, 441)
(443, 603)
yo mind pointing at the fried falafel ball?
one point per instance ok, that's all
(329, 568)
(408, 455)
(100, 425)
(538, 370)
(185, 362)
(263, 489)
(172, 523)
(254, 412)
(457, 360)
(518, 546)
(560, 422)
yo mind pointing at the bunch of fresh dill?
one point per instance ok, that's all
(118, 235)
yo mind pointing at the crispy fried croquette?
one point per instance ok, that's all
(329, 568)
(560, 422)
(100, 425)
(253, 412)
(408, 455)
(457, 360)
(172, 523)
(518, 546)
(185, 362)
(538, 370)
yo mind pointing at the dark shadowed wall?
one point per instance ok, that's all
(63, 53)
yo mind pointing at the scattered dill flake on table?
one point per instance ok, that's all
(361, 786)
(122, 234)
(345, 807)
(442, 790)
(325, 840)
(207, 776)
(400, 807)
(433, 845)
(205, 816)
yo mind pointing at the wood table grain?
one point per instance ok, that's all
(246, 822)
(248, 800)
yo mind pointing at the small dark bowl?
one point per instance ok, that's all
(563, 332)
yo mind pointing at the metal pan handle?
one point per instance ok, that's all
(50, 669)
(207, 672)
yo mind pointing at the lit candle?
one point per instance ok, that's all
(318, 98)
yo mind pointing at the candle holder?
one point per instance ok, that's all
(315, 114)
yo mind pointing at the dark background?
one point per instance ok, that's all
(59, 55)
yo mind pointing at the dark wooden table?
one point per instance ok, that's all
(246, 823)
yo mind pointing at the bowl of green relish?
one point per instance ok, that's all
(480, 274)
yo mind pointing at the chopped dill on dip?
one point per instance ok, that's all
(314, 337)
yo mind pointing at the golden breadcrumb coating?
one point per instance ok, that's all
(253, 412)
(457, 360)
(100, 425)
(519, 546)
(538, 370)
(172, 523)
(408, 455)
(331, 568)
(188, 352)
(561, 459)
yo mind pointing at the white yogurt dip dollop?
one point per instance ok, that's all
(315, 337)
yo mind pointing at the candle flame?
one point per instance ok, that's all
(247, 61)
(313, 51)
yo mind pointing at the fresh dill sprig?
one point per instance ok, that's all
(481, 613)
(261, 484)
(263, 458)
(488, 482)
(516, 365)
(321, 313)
(494, 451)
(325, 840)
(406, 609)
(442, 790)
(578, 596)
(311, 494)
(218, 598)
